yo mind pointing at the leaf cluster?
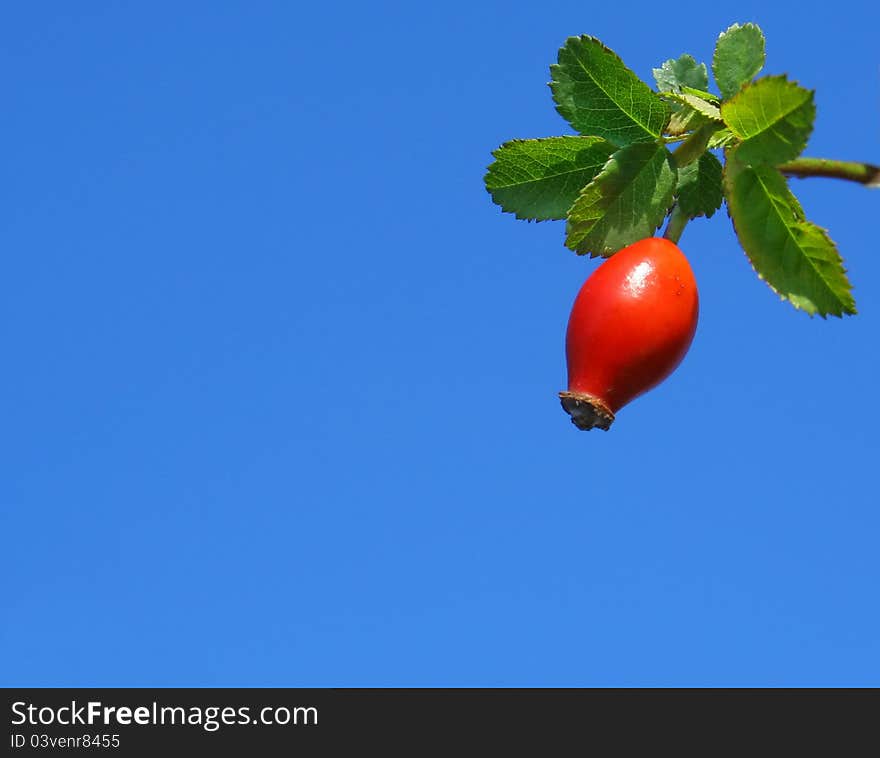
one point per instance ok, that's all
(617, 180)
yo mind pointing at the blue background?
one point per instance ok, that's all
(279, 382)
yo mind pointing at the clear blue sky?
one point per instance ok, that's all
(279, 382)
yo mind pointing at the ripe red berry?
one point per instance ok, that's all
(630, 326)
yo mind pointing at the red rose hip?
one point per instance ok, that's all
(631, 325)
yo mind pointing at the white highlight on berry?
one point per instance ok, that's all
(637, 279)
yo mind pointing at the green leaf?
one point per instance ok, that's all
(685, 120)
(739, 56)
(707, 109)
(699, 187)
(540, 178)
(681, 72)
(795, 257)
(773, 117)
(626, 201)
(692, 113)
(598, 95)
(722, 138)
(702, 94)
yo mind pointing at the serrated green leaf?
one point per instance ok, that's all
(692, 113)
(723, 138)
(739, 56)
(626, 201)
(539, 179)
(681, 72)
(699, 187)
(685, 120)
(773, 117)
(707, 109)
(702, 94)
(598, 95)
(796, 258)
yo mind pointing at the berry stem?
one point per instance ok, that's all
(677, 222)
(695, 145)
(853, 171)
